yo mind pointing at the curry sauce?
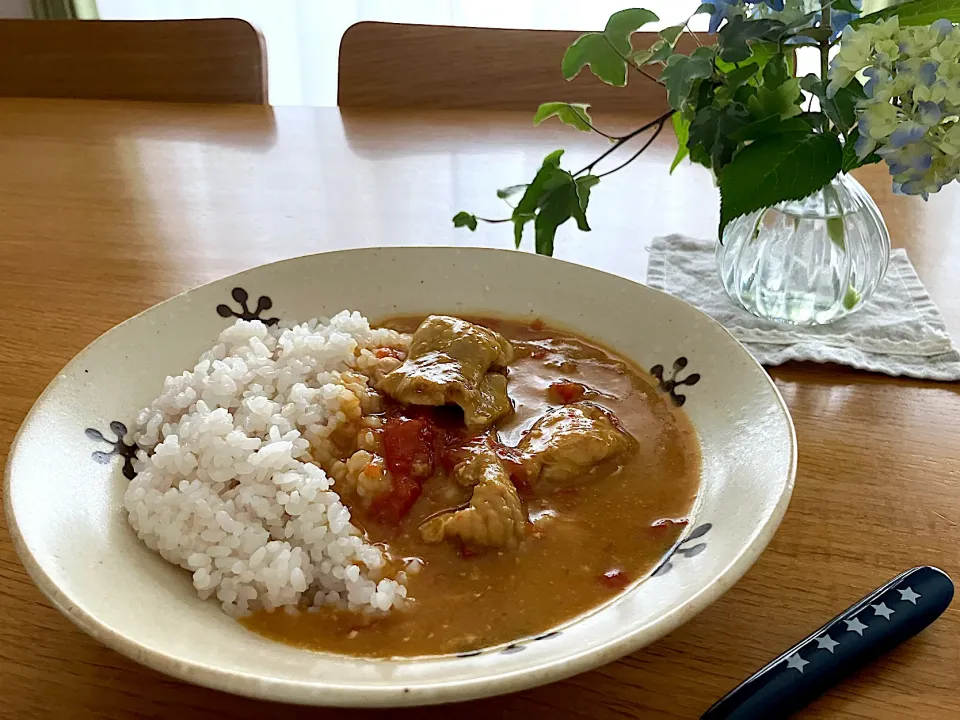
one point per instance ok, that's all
(585, 541)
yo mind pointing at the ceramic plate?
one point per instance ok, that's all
(69, 465)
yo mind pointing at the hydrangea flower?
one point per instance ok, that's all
(911, 113)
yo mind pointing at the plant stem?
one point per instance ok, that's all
(638, 152)
(825, 45)
(629, 136)
(600, 132)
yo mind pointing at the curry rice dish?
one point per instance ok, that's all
(429, 486)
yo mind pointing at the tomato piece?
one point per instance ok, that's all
(391, 507)
(566, 392)
(408, 449)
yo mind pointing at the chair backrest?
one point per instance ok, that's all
(219, 60)
(397, 65)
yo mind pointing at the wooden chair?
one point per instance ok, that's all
(395, 65)
(219, 60)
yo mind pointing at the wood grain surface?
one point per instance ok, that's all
(440, 66)
(210, 60)
(109, 207)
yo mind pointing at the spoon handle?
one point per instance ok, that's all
(880, 621)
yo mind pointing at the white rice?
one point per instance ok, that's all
(227, 487)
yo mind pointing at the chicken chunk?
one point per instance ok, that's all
(494, 517)
(452, 361)
(570, 440)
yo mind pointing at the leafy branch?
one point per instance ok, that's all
(736, 108)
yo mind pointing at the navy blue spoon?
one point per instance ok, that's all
(880, 621)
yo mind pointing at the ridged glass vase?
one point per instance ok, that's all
(810, 261)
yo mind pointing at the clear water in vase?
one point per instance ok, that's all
(810, 261)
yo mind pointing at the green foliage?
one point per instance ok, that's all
(770, 125)
(625, 23)
(916, 12)
(672, 34)
(584, 184)
(552, 197)
(735, 37)
(504, 193)
(572, 114)
(782, 167)
(783, 101)
(681, 72)
(841, 108)
(737, 107)
(465, 219)
(606, 53)
(777, 71)
(595, 51)
(681, 128)
(712, 128)
(844, 6)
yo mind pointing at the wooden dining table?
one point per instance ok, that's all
(107, 208)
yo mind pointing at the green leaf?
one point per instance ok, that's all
(681, 127)
(744, 94)
(777, 71)
(712, 129)
(556, 210)
(681, 72)
(671, 34)
(836, 232)
(850, 160)
(915, 12)
(573, 114)
(760, 53)
(553, 158)
(817, 120)
(842, 107)
(850, 298)
(595, 50)
(845, 6)
(659, 52)
(811, 83)
(465, 219)
(784, 101)
(519, 220)
(584, 184)
(735, 37)
(739, 76)
(771, 125)
(704, 94)
(548, 178)
(504, 193)
(705, 8)
(777, 168)
(625, 23)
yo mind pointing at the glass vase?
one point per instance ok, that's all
(810, 261)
